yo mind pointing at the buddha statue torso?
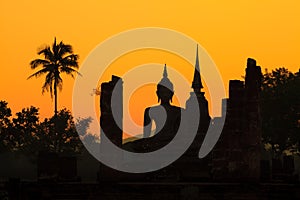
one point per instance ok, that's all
(165, 116)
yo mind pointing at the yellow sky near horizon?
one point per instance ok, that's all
(230, 31)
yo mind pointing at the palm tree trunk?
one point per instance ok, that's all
(55, 114)
(57, 146)
(55, 102)
(55, 98)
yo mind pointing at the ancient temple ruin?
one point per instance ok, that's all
(236, 156)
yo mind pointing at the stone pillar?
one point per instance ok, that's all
(111, 123)
(252, 125)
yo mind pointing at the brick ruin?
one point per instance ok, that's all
(236, 156)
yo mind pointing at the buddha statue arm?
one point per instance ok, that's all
(147, 124)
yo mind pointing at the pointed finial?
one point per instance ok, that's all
(197, 83)
(197, 58)
(165, 74)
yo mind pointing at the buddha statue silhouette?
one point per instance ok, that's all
(165, 116)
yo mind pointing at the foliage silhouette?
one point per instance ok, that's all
(24, 130)
(25, 133)
(58, 134)
(5, 125)
(281, 110)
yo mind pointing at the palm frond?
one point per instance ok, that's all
(37, 62)
(64, 49)
(70, 71)
(48, 54)
(59, 82)
(48, 84)
(54, 47)
(70, 60)
(39, 73)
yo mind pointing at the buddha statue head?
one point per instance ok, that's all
(165, 89)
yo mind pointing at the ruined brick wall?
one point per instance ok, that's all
(237, 153)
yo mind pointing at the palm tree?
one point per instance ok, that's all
(57, 59)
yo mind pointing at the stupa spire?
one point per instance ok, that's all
(197, 83)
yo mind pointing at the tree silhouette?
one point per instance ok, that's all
(24, 130)
(58, 134)
(58, 58)
(27, 134)
(5, 126)
(281, 110)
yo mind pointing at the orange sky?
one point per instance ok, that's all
(230, 31)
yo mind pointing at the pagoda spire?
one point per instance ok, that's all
(197, 83)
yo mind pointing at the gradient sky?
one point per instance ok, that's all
(230, 31)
